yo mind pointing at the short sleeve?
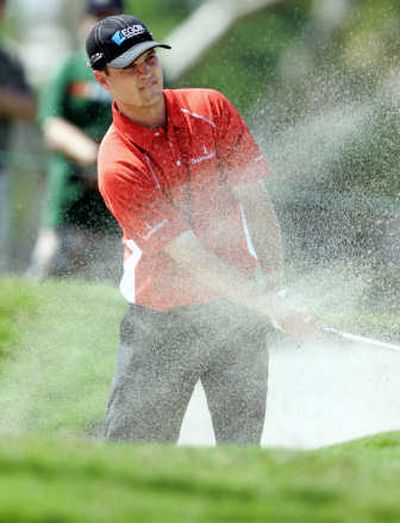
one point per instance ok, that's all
(140, 207)
(238, 153)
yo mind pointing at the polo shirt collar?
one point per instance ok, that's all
(174, 110)
(142, 136)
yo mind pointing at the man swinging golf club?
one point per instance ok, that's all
(183, 176)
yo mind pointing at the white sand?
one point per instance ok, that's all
(319, 394)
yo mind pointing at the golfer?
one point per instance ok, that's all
(183, 176)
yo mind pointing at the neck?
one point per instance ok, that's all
(150, 116)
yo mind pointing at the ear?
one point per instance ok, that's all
(101, 77)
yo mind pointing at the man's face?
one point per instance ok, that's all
(138, 85)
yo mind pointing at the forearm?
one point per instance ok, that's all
(16, 105)
(69, 140)
(267, 239)
(214, 273)
(264, 230)
(219, 276)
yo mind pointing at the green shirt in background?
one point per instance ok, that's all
(73, 94)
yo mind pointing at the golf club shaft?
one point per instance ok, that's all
(361, 339)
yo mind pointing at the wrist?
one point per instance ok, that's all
(269, 303)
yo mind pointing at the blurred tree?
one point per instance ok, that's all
(203, 28)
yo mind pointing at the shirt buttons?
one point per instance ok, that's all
(157, 133)
(178, 163)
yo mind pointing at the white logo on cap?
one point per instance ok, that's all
(133, 30)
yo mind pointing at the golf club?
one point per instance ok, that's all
(360, 339)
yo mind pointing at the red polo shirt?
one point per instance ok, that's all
(160, 183)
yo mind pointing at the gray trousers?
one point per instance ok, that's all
(161, 357)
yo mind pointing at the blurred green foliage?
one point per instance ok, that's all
(244, 64)
(161, 17)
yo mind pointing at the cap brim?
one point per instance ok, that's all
(133, 53)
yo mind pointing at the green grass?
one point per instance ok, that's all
(75, 481)
(17, 304)
(59, 373)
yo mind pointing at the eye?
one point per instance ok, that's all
(129, 67)
(151, 59)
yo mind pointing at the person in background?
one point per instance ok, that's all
(74, 113)
(17, 102)
(184, 177)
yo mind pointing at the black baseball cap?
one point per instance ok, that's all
(117, 41)
(95, 7)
